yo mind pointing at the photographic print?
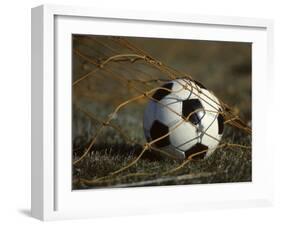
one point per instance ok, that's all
(157, 111)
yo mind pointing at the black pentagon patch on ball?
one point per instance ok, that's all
(220, 123)
(189, 106)
(196, 149)
(199, 84)
(158, 130)
(161, 93)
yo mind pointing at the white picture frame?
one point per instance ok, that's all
(52, 197)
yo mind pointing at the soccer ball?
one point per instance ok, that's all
(183, 118)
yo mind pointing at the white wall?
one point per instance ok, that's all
(15, 111)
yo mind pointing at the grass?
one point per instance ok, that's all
(225, 165)
(111, 153)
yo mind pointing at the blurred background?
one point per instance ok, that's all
(223, 67)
